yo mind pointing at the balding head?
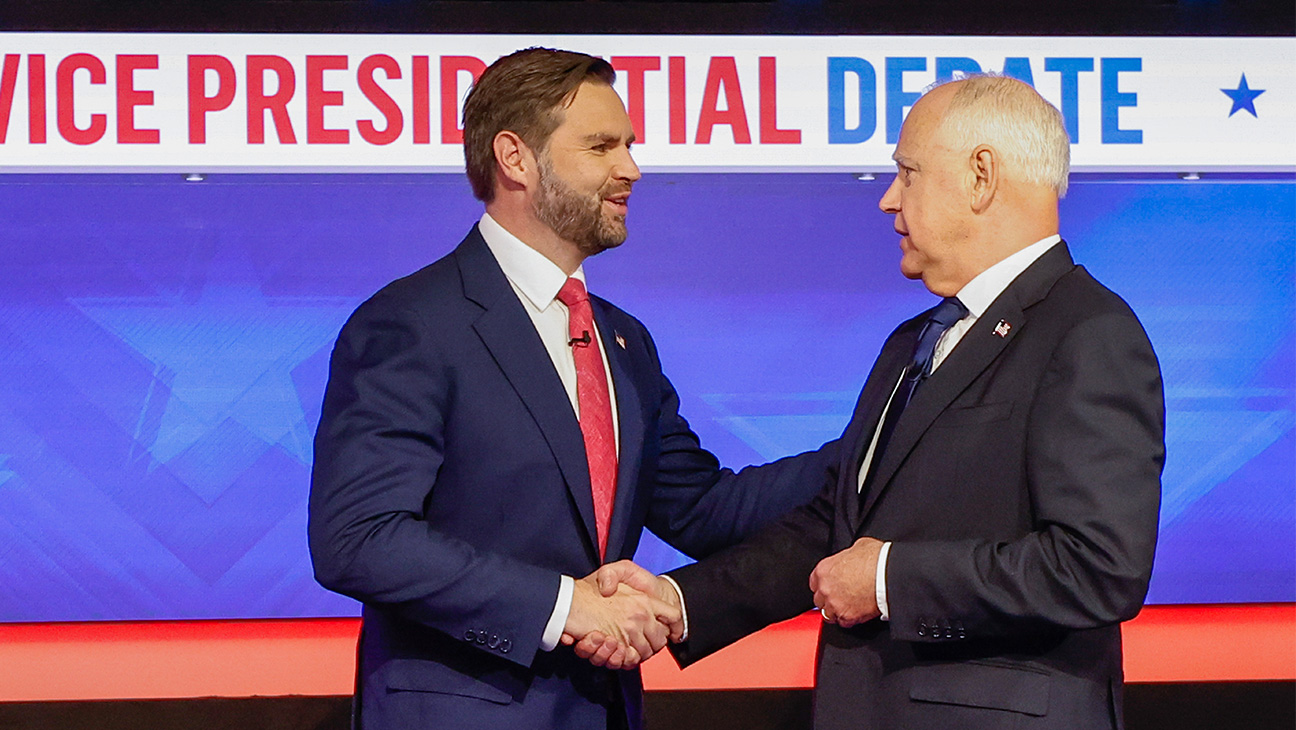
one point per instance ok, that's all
(1012, 117)
(982, 162)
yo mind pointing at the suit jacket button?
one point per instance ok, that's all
(481, 636)
(506, 645)
(470, 635)
(922, 628)
(494, 641)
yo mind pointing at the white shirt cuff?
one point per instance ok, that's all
(558, 619)
(683, 609)
(879, 582)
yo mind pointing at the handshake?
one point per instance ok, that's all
(621, 615)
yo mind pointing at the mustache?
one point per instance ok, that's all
(614, 189)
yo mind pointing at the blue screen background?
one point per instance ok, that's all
(164, 349)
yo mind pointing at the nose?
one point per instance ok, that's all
(625, 168)
(890, 202)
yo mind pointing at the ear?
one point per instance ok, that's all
(985, 174)
(514, 162)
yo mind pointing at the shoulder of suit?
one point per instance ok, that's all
(1078, 295)
(1078, 303)
(422, 292)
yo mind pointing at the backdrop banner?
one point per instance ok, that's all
(280, 102)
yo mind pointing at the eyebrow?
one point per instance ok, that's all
(605, 138)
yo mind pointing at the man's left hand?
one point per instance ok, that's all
(844, 585)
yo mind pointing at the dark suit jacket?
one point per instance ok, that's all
(1020, 490)
(451, 489)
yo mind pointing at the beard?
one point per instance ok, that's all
(578, 217)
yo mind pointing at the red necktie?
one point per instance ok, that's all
(595, 406)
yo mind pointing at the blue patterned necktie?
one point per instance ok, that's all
(949, 311)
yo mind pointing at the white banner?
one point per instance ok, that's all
(212, 102)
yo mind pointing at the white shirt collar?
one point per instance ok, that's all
(977, 295)
(538, 278)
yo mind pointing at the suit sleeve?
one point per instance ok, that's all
(1094, 451)
(699, 508)
(760, 581)
(378, 449)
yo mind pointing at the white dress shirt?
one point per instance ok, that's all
(536, 281)
(977, 295)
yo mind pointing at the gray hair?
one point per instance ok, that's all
(1012, 117)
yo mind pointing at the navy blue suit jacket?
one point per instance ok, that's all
(450, 490)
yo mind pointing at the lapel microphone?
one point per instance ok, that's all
(583, 340)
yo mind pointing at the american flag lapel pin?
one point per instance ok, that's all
(619, 339)
(1002, 328)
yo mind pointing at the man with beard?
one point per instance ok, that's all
(490, 432)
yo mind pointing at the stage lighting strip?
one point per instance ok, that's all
(176, 659)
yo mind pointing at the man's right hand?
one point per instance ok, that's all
(615, 625)
(627, 573)
(611, 580)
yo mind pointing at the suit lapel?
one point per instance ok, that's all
(868, 411)
(974, 353)
(509, 334)
(630, 427)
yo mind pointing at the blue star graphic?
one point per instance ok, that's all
(227, 359)
(1243, 97)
